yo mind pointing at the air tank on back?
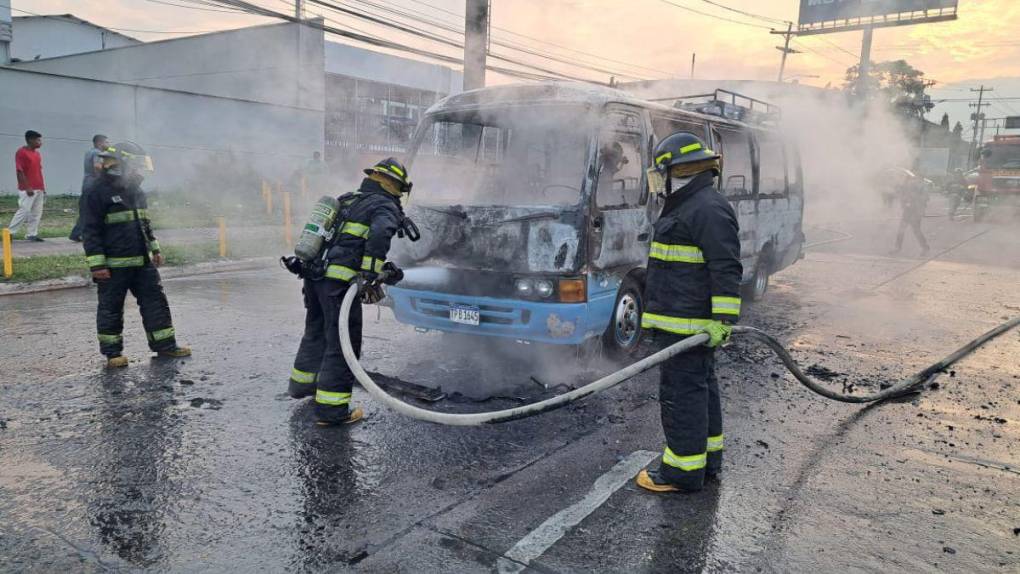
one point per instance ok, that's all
(320, 223)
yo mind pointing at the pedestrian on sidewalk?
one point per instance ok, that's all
(93, 169)
(31, 189)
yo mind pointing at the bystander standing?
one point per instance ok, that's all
(31, 189)
(93, 169)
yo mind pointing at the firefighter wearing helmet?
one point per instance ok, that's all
(358, 241)
(692, 286)
(123, 254)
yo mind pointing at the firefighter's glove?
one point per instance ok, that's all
(292, 264)
(392, 274)
(371, 293)
(718, 333)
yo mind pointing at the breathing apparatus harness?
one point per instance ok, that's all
(314, 269)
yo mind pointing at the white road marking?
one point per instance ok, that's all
(549, 532)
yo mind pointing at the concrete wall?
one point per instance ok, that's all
(279, 64)
(54, 36)
(180, 130)
(353, 62)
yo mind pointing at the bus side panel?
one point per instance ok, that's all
(748, 221)
(603, 287)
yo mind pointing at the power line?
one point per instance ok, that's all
(197, 7)
(262, 11)
(458, 29)
(824, 55)
(111, 27)
(442, 40)
(837, 46)
(716, 16)
(748, 14)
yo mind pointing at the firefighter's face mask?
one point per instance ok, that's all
(133, 168)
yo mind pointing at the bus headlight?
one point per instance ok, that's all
(543, 288)
(523, 287)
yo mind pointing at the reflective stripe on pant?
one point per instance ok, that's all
(144, 283)
(691, 414)
(320, 347)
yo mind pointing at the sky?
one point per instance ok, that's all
(645, 38)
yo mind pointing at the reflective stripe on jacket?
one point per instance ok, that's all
(372, 219)
(116, 231)
(694, 269)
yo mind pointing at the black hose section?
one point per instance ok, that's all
(901, 388)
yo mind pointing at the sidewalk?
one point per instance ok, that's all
(63, 245)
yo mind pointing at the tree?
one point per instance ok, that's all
(896, 82)
(958, 130)
(945, 121)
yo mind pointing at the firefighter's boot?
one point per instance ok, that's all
(353, 416)
(651, 480)
(116, 362)
(176, 352)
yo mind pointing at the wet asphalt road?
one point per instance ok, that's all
(205, 465)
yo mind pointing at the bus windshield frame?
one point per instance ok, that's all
(508, 156)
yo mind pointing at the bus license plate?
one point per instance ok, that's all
(465, 315)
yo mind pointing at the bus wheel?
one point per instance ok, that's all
(760, 282)
(624, 332)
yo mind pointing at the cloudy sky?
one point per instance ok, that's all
(643, 38)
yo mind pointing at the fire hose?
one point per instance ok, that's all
(903, 387)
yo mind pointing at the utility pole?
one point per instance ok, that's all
(299, 9)
(476, 42)
(785, 49)
(976, 116)
(864, 67)
(694, 60)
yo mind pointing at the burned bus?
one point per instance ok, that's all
(536, 217)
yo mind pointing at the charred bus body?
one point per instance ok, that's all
(536, 217)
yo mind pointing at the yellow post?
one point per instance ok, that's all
(269, 200)
(287, 234)
(222, 223)
(304, 188)
(8, 254)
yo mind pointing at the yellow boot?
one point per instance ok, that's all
(116, 362)
(354, 416)
(179, 351)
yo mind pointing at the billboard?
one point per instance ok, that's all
(1013, 123)
(852, 14)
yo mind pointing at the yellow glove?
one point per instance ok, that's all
(718, 333)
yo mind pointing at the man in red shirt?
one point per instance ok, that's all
(31, 189)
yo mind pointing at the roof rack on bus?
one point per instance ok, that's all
(727, 104)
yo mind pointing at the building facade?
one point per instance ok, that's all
(39, 37)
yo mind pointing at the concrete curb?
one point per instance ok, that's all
(204, 268)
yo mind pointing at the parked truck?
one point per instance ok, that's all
(998, 177)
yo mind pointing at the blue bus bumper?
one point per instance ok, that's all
(556, 323)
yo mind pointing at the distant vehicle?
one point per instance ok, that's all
(998, 176)
(537, 218)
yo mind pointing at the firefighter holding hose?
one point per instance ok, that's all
(692, 286)
(357, 232)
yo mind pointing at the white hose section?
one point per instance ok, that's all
(475, 419)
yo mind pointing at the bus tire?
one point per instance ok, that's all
(623, 335)
(759, 285)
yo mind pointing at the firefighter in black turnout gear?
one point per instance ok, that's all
(123, 254)
(366, 223)
(692, 286)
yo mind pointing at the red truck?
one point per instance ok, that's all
(998, 176)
